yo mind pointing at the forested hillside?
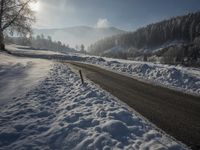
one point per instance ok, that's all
(177, 31)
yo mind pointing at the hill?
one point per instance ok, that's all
(176, 36)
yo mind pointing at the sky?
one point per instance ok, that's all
(124, 14)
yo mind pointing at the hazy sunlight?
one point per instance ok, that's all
(35, 6)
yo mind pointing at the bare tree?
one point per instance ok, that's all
(15, 15)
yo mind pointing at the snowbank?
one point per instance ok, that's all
(179, 78)
(61, 113)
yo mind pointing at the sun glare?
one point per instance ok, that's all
(35, 6)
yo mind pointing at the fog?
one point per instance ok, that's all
(75, 36)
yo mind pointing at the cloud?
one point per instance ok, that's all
(103, 23)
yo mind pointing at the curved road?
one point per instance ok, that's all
(174, 112)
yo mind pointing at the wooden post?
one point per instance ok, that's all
(81, 76)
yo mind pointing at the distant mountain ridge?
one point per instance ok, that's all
(79, 34)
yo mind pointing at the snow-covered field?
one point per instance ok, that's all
(61, 113)
(19, 75)
(28, 50)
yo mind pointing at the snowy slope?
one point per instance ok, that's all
(61, 113)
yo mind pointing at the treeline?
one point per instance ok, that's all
(183, 28)
(185, 54)
(40, 42)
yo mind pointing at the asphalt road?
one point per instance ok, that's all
(176, 113)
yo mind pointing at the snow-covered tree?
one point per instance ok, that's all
(15, 15)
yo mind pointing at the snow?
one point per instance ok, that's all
(19, 75)
(114, 50)
(62, 113)
(184, 79)
(176, 77)
(28, 50)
